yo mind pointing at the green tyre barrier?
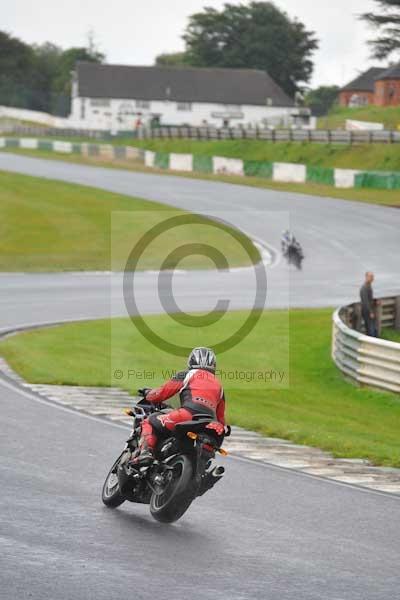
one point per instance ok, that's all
(202, 163)
(378, 181)
(93, 150)
(161, 160)
(120, 152)
(256, 168)
(321, 175)
(11, 143)
(45, 145)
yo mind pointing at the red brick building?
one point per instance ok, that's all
(361, 91)
(387, 87)
(377, 86)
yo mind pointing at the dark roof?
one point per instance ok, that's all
(222, 86)
(364, 82)
(391, 73)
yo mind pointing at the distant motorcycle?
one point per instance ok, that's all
(182, 470)
(294, 254)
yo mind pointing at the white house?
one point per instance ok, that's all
(119, 97)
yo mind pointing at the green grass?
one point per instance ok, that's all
(22, 122)
(318, 408)
(53, 226)
(392, 335)
(381, 197)
(375, 157)
(365, 156)
(336, 119)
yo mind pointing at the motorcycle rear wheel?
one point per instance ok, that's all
(169, 505)
(111, 495)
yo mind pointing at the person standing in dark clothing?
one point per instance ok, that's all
(368, 308)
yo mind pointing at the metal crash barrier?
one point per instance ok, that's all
(366, 360)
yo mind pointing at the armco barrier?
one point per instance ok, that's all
(220, 165)
(317, 136)
(366, 360)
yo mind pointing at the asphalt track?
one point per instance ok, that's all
(264, 532)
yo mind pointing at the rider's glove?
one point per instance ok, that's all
(217, 427)
(144, 391)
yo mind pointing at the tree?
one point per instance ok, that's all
(321, 99)
(61, 85)
(47, 58)
(387, 22)
(38, 77)
(172, 59)
(252, 36)
(17, 72)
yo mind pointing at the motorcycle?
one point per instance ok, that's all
(183, 468)
(294, 254)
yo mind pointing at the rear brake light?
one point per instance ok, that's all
(208, 447)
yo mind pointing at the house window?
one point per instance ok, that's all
(143, 104)
(99, 102)
(358, 100)
(82, 108)
(184, 106)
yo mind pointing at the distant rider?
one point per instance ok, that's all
(286, 240)
(200, 393)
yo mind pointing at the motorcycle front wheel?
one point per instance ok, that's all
(111, 494)
(174, 498)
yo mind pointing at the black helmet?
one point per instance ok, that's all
(202, 358)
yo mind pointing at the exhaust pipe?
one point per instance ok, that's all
(218, 472)
(210, 479)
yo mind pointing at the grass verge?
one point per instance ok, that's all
(392, 335)
(373, 157)
(388, 115)
(54, 226)
(369, 196)
(318, 408)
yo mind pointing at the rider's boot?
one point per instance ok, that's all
(147, 443)
(144, 456)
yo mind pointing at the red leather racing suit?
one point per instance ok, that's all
(200, 391)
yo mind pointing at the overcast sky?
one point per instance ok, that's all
(135, 31)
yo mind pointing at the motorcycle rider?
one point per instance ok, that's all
(200, 393)
(286, 240)
(289, 240)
